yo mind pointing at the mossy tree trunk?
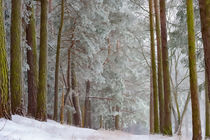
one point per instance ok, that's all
(4, 82)
(32, 62)
(154, 77)
(57, 62)
(166, 75)
(193, 73)
(42, 89)
(16, 59)
(87, 115)
(159, 57)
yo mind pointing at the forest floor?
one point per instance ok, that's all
(22, 128)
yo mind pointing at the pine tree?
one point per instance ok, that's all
(160, 74)
(16, 59)
(87, 110)
(62, 108)
(32, 62)
(41, 113)
(4, 82)
(154, 78)
(57, 62)
(205, 29)
(77, 115)
(193, 73)
(117, 119)
(166, 76)
(207, 109)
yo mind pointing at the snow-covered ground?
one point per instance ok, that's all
(22, 128)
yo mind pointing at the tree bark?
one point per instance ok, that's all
(87, 116)
(151, 106)
(193, 72)
(16, 59)
(160, 74)
(154, 77)
(62, 108)
(42, 89)
(166, 75)
(117, 119)
(207, 109)
(57, 62)
(32, 62)
(205, 29)
(4, 80)
(77, 115)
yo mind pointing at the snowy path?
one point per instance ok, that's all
(21, 128)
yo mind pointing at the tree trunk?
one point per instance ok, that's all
(207, 108)
(151, 106)
(101, 121)
(68, 76)
(32, 62)
(16, 59)
(42, 89)
(87, 117)
(75, 97)
(154, 78)
(160, 74)
(68, 117)
(117, 119)
(166, 75)
(62, 108)
(193, 73)
(57, 62)
(4, 80)
(205, 29)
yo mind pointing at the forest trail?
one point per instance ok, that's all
(22, 128)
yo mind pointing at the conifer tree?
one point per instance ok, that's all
(159, 57)
(193, 73)
(57, 62)
(32, 62)
(16, 59)
(41, 113)
(4, 82)
(154, 77)
(166, 76)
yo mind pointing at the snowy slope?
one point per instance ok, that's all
(22, 128)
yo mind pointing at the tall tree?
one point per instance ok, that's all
(57, 62)
(154, 77)
(16, 59)
(205, 28)
(159, 57)
(207, 109)
(117, 119)
(32, 62)
(87, 110)
(166, 76)
(151, 108)
(42, 85)
(77, 117)
(193, 73)
(4, 82)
